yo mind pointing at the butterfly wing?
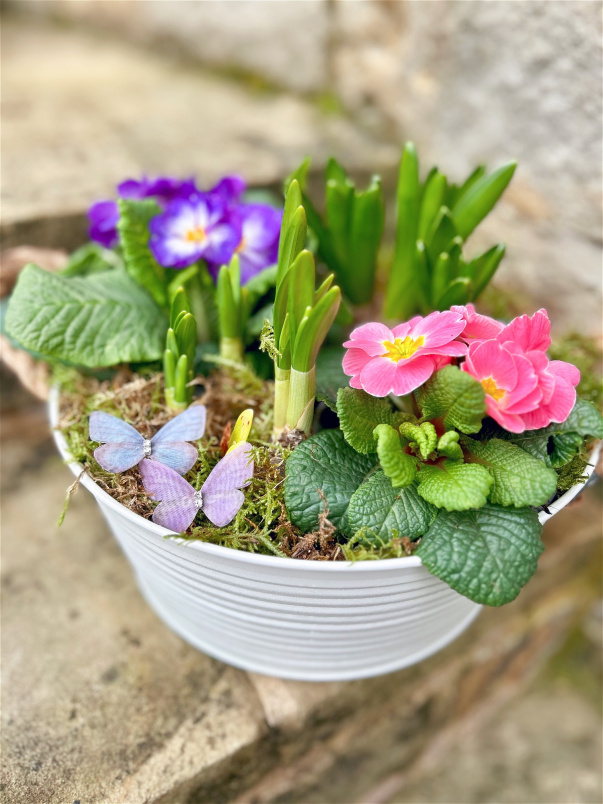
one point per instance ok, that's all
(123, 445)
(233, 471)
(178, 455)
(110, 430)
(221, 507)
(186, 426)
(175, 515)
(117, 458)
(162, 483)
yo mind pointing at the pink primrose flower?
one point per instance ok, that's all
(477, 327)
(524, 389)
(383, 361)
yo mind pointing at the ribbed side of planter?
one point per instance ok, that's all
(312, 621)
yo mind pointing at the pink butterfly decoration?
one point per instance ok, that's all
(220, 497)
(123, 446)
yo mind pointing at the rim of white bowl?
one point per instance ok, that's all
(259, 558)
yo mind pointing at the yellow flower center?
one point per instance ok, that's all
(402, 349)
(196, 235)
(491, 388)
(241, 246)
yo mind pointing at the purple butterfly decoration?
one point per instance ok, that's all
(220, 497)
(123, 446)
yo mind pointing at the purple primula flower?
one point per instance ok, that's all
(163, 188)
(230, 189)
(260, 227)
(194, 229)
(103, 217)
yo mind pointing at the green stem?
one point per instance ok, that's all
(232, 349)
(281, 398)
(300, 410)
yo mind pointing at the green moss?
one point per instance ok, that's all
(572, 473)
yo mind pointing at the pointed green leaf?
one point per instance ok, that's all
(487, 267)
(169, 368)
(441, 235)
(186, 336)
(486, 555)
(313, 330)
(301, 289)
(454, 396)
(454, 485)
(383, 513)
(431, 201)
(366, 230)
(459, 291)
(473, 206)
(439, 278)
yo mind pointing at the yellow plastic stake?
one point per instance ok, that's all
(241, 429)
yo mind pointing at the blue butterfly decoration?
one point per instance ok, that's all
(123, 447)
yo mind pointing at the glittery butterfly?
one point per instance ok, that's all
(220, 497)
(123, 446)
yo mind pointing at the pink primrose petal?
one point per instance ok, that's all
(490, 359)
(562, 401)
(377, 377)
(410, 374)
(535, 419)
(355, 382)
(371, 348)
(530, 333)
(401, 330)
(477, 327)
(527, 379)
(566, 370)
(354, 361)
(509, 421)
(440, 361)
(514, 403)
(372, 332)
(438, 328)
(452, 349)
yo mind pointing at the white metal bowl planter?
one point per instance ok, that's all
(303, 620)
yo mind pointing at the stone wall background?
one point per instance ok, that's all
(468, 81)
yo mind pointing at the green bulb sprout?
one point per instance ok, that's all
(233, 311)
(179, 354)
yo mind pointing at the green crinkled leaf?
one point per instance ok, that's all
(456, 397)
(422, 436)
(519, 479)
(359, 414)
(454, 485)
(584, 419)
(486, 555)
(329, 375)
(383, 513)
(398, 466)
(97, 320)
(449, 445)
(133, 227)
(565, 446)
(327, 462)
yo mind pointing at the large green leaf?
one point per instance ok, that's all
(133, 226)
(359, 414)
(97, 320)
(324, 462)
(454, 396)
(454, 485)
(519, 479)
(383, 513)
(486, 555)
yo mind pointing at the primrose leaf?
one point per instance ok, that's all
(399, 467)
(454, 485)
(423, 435)
(383, 513)
(519, 479)
(96, 320)
(584, 419)
(359, 413)
(327, 462)
(456, 397)
(449, 446)
(486, 555)
(133, 227)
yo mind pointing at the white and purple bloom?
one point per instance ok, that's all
(193, 229)
(104, 215)
(259, 226)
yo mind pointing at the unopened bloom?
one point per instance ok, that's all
(524, 389)
(383, 361)
(193, 229)
(103, 217)
(477, 327)
(259, 226)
